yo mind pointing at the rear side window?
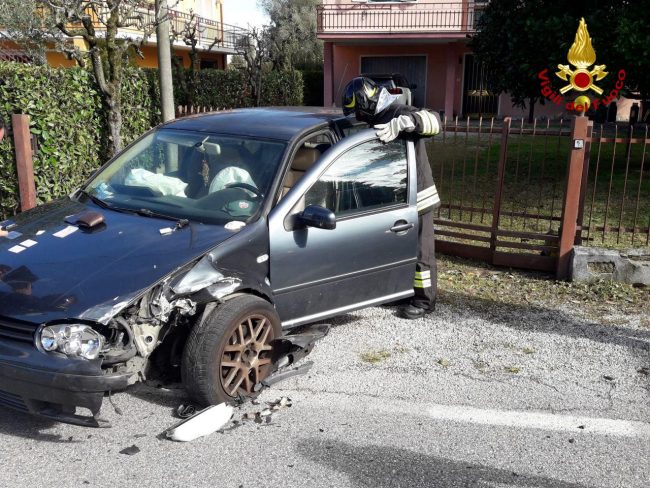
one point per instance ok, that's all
(368, 177)
(400, 81)
(348, 131)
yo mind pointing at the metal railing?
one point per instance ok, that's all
(393, 18)
(616, 187)
(209, 32)
(15, 55)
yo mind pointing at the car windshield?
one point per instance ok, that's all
(201, 177)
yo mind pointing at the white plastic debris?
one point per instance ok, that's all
(205, 422)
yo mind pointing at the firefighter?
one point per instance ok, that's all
(374, 105)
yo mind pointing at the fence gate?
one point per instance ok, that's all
(522, 195)
(503, 190)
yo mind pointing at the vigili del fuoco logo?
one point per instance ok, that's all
(582, 78)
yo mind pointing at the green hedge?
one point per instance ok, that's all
(62, 105)
(69, 121)
(313, 91)
(281, 88)
(229, 89)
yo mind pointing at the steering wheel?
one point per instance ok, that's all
(245, 186)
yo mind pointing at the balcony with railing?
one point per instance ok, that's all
(209, 33)
(411, 19)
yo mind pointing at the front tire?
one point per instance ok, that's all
(227, 355)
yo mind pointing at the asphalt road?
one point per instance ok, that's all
(504, 397)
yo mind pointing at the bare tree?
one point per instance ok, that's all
(102, 25)
(190, 31)
(254, 51)
(112, 32)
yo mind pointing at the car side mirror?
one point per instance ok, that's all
(319, 217)
(414, 86)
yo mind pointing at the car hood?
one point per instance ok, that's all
(90, 274)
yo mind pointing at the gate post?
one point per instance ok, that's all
(501, 171)
(583, 185)
(24, 161)
(570, 207)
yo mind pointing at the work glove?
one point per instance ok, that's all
(389, 132)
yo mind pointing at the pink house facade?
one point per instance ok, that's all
(424, 40)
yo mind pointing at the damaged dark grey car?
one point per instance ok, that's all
(193, 249)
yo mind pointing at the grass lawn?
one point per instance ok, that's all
(465, 169)
(481, 285)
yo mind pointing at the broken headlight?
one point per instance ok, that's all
(73, 340)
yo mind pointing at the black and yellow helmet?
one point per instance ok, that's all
(360, 97)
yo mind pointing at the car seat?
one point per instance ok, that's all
(217, 157)
(303, 160)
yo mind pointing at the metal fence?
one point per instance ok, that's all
(398, 17)
(616, 189)
(185, 110)
(507, 194)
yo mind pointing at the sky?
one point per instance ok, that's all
(243, 13)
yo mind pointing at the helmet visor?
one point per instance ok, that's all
(385, 100)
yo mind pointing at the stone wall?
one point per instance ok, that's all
(629, 266)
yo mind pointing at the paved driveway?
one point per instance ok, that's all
(492, 395)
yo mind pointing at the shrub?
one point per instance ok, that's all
(64, 116)
(313, 87)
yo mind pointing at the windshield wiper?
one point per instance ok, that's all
(95, 199)
(180, 223)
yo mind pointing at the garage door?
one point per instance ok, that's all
(413, 67)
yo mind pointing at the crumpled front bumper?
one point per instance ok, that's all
(53, 386)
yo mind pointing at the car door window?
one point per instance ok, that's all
(307, 154)
(368, 177)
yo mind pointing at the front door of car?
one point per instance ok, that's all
(369, 258)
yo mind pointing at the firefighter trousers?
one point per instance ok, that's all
(425, 284)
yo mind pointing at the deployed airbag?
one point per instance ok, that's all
(167, 185)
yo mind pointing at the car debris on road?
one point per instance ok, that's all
(287, 350)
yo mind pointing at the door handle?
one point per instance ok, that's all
(401, 226)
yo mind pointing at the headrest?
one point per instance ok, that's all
(230, 154)
(304, 158)
(293, 177)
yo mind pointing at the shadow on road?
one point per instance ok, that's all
(18, 424)
(534, 318)
(386, 467)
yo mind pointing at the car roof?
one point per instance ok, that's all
(282, 123)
